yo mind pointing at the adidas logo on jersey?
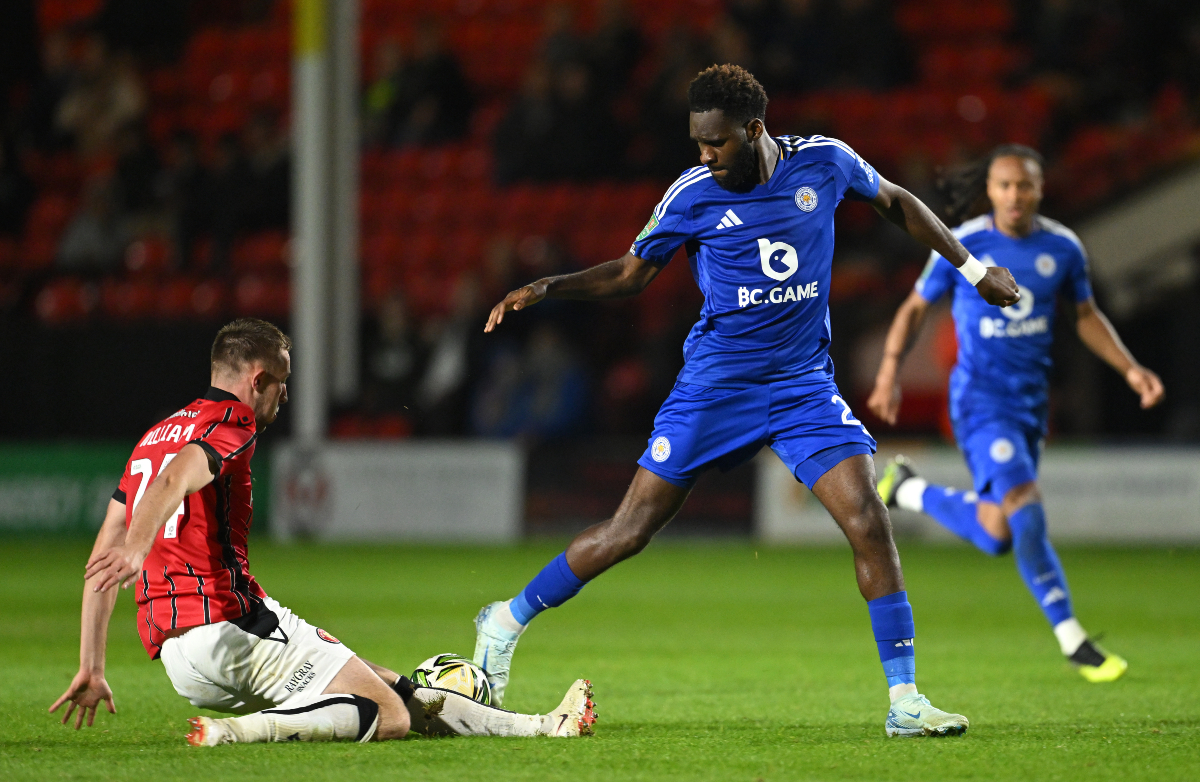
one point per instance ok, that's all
(729, 220)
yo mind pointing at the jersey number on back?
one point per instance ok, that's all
(144, 468)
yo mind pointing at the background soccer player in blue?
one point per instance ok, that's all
(757, 221)
(999, 387)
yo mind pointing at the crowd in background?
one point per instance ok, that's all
(601, 100)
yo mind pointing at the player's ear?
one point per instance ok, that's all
(754, 129)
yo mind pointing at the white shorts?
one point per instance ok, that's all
(223, 667)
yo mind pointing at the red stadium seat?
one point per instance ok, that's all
(65, 300)
(127, 299)
(37, 252)
(147, 256)
(266, 251)
(184, 298)
(262, 296)
(49, 216)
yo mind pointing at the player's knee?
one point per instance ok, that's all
(1018, 497)
(394, 721)
(868, 526)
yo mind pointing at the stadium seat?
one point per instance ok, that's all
(127, 299)
(262, 296)
(65, 300)
(266, 251)
(147, 256)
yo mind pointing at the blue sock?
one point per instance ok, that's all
(552, 587)
(1038, 564)
(892, 623)
(957, 511)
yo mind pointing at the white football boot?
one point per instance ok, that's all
(494, 646)
(575, 716)
(912, 715)
(207, 732)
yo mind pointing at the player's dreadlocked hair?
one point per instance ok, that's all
(730, 88)
(965, 187)
(247, 340)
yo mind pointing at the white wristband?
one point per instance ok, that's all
(973, 270)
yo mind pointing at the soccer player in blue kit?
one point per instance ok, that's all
(999, 388)
(756, 219)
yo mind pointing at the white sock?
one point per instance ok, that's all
(505, 618)
(909, 494)
(328, 718)
(1070, 635)
(898, 691)
(436, 712)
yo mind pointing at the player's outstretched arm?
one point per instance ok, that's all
(190, 471)
(1098, 334)
(88, 689)
(885, 397)
(905, 210)
(626, 276)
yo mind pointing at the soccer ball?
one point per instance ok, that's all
(456, 673)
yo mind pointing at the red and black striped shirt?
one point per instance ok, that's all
(197, 571)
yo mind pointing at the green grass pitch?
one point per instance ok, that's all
(710, 660)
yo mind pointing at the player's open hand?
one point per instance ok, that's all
(885, 400)
(1145, 384)
(86, 692)
(998, 287)
(517, 300)
(114, 567)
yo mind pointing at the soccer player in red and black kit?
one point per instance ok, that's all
(176, 531)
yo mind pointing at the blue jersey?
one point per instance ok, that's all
(1004, 353)
(762, 260)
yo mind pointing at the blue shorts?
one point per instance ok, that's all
(804, 420)
(1000, 454)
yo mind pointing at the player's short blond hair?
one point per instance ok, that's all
(246, 341)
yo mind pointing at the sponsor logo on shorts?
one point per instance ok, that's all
(324, 636)
(806, 199)
(301, 678)
(660, 451)
(1002, 450)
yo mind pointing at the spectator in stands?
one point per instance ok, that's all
(16, 191)
(434, 100)
(251, 185)
(383, 93)
(154, 30)
(454, 346)
(613, 48)
(525, 130)
(539, 393)
(105, 96)
(183, 188)
(869, 51)
(797, 54)
(41, 129)
(665, 149)
(96, 238)
(731, 43)
(561, 43)
(581, 118)
(757, 18)
(267, 199)
(394, 361)
(137, 171)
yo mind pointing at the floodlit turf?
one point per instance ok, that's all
(715, 660)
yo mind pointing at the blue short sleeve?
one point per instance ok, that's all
(1078, 282)
(936, 279)
(669, 224)
(864, 181)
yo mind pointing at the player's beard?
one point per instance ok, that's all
(741, 175)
